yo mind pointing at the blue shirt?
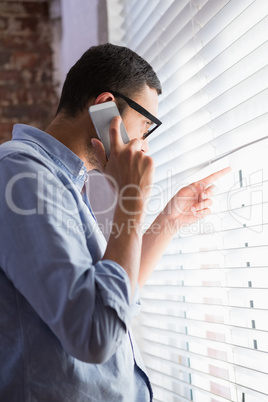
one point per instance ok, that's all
(64, 312)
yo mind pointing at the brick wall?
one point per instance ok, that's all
(27, 93)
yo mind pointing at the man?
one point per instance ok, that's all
(67, 297)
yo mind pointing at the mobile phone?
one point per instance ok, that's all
(102, 115)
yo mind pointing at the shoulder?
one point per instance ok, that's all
(18, 156)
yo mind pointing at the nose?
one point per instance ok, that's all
(145, 146)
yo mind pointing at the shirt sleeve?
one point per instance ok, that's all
(84, 303)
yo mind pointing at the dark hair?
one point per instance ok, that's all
(102, 68)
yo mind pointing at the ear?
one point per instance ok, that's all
(104, 97)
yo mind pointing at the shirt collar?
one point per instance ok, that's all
(53, 147)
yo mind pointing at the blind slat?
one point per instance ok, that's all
(186, 46)
(203, 328)
(177, 17)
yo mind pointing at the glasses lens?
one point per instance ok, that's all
(150, 127)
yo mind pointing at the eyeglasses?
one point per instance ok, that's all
(154, 122)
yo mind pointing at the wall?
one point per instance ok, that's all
(77, 25)
(39, 42)
(27, 92)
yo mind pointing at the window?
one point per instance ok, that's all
(203, 330)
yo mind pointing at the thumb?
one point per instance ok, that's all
(100, 153)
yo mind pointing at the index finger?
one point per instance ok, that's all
(115, 133)
(215, 176)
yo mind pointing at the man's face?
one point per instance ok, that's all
(136, 124)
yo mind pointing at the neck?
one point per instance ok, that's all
(75, 133)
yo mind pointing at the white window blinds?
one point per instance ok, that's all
(204, 324)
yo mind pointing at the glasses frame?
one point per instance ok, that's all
(134, 105)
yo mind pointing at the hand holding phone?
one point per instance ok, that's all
(102, 115)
